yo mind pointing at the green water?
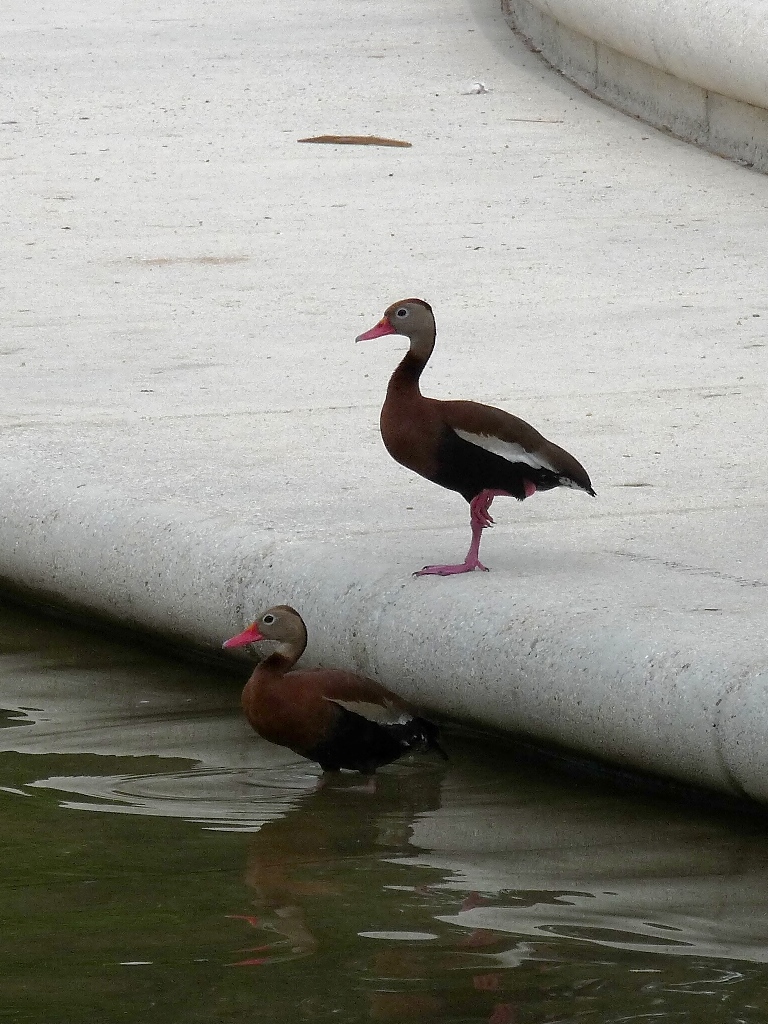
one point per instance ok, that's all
(161, 864)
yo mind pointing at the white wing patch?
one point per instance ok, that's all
(509, 450)
(381, 714)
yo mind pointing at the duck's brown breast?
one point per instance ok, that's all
(411, 432)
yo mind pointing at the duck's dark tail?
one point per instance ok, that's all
(427, 736)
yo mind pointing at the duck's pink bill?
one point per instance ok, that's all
(382, 327)
(248, 636)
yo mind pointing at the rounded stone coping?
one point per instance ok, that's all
(696, 68)
(579, 676)
(719, 45)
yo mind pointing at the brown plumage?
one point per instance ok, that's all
(336, 718)
(478, 450)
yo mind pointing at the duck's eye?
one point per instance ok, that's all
(268, 619)
(402, 313)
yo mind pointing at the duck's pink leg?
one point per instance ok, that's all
(479, 519)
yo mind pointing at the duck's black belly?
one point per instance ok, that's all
(357, 744)
(469, 469)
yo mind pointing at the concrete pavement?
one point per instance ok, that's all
(189, 433)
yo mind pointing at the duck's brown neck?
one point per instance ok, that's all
(283, 658)
(412, 364)
(266, 676)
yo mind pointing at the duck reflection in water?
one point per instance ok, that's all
(309, 875)
(316, 853)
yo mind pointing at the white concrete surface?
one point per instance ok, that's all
(692, 67)
(189, 432)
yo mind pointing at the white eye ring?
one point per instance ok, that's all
(268, 619)
(402, 312)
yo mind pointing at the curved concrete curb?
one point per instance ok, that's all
(699, 74)
(497, 650)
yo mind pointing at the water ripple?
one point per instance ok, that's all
(223, 799)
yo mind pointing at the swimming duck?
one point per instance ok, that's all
(336, 718)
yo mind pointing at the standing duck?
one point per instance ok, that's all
(478, 450)
(336, 718)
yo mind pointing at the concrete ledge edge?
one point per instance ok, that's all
(493, 658)
(726, 125)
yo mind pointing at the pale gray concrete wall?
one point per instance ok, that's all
(696, 68)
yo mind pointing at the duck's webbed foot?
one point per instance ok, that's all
(468, 565)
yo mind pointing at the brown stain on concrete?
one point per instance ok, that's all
(357, 140)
